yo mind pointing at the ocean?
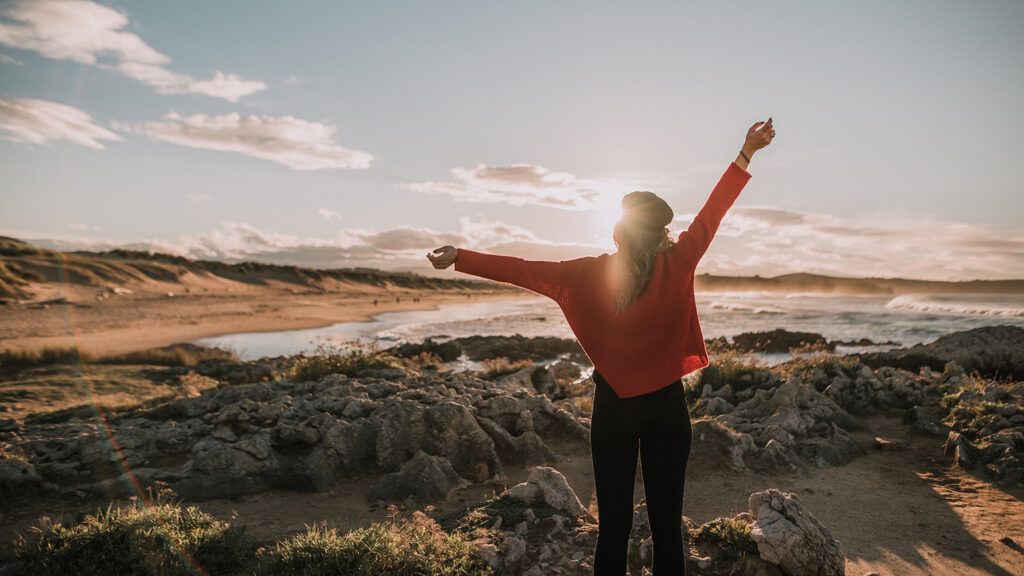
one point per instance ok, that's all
(906, 319)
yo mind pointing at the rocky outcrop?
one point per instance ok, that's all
(754, 418)
(277, 433)
(515, 347)
(780, 429)
(778, 340)
(248, 438)
(994, 351)
(987, 435)
(540, 527)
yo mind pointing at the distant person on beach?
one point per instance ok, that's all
(634, 314)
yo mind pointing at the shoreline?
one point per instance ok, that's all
(112, 328)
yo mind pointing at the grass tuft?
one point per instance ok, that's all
(398, 547)
(495, 367)
(43, 357)
(158, 538)
(731, 535)
(727, 368)
(351, 360)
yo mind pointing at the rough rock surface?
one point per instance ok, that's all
(248, 438)
(994, 351)
(520, 533)
(778, 429)
(790, 537)
(275, 433)
(424, 478)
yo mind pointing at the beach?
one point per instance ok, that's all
(132, 322)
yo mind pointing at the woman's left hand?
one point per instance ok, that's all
(758, 136)
(447, 257)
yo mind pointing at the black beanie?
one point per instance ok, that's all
(646, 210)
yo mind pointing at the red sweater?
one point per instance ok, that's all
(656, 340)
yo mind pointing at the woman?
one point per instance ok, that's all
(634, 314)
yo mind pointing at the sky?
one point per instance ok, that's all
(337, 134)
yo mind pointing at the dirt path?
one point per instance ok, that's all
(898, 513)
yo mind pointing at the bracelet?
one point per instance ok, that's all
(745, 157)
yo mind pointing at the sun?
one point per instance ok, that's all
(607, 211)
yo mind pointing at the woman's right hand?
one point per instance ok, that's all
(446, 256)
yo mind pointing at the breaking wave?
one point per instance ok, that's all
(953, 305)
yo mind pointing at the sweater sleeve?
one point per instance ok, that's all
(546, 278)
(694, 241)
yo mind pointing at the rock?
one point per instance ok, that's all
(778, 340)
(220, 470)
(994, 351)
(791, 424)
(926, 420)
(716, 405)
(17, 477)
(960, 451)
(565, 371)
(887, 444)
(425, 477)
(525, 449)
(545, 485)
(789, 536)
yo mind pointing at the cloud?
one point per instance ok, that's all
(298, 144)
(198, 197)
(33, 121)
(328, 214)
(772, 240)
(752, 240)
(89, 33)
(401, 247)
(525, 184)
(7, 59)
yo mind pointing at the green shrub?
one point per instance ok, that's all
(727, 367)
(809, 358)
(145, 539)
(732, 535)
(330, 359)
(406, 547)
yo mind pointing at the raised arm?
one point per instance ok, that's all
(695, 240)
(546, 278)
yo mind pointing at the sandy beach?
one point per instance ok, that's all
(131, 322)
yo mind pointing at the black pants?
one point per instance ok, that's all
(657, 425)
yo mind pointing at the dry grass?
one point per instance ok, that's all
(400, 547)
(88, 388)
(350, 359)
(495, 367)
(585, 404)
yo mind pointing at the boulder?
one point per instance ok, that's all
(789, 536)
(425, 478)
(545, 485)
